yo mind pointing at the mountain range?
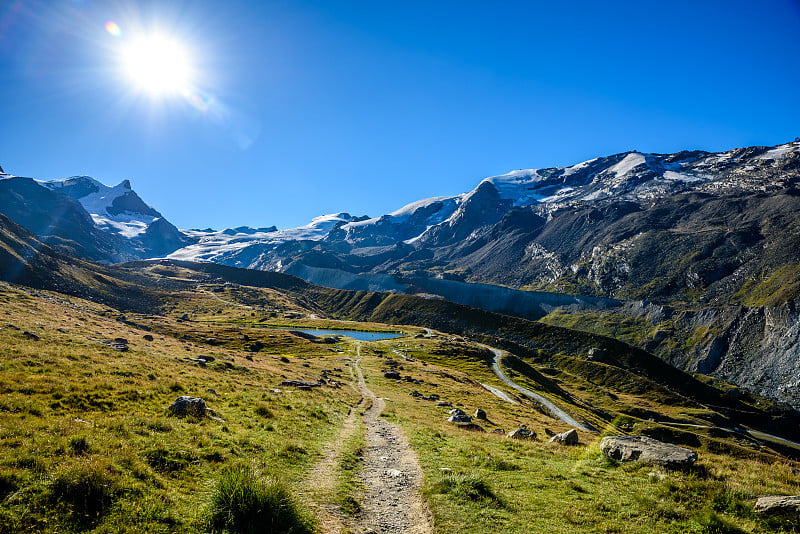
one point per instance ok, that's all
(697, 253)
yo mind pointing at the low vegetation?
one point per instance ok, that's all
(88, 444)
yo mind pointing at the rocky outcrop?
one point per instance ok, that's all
(186, 406)
(778, 505)
(648, 451)
(522, 432)
(570, 437)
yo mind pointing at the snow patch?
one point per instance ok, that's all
(628, 163)
(780, 151)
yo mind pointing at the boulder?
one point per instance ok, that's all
(147, 337)
(394, 375)
(596, 355)
(480, 414)
(778, 504)
(570, 437)
(458, 416)
(647, 450)
(522, 432)
(188, 406)
(444, 403)
(302, 384)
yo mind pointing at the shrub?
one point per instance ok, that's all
(79, 445)
(242, 502)
(468, 487)
(495, 464)
(87, 489)
(264, 411)
(8, 484)
(168, 461)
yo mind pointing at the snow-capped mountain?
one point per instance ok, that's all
(117, 210)
(90, 219)
(714, 235)
(245, 246)
(395, 242)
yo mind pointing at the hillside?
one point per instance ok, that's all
(89, 445)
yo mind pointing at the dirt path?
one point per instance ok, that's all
(320, 484)
(391, 475)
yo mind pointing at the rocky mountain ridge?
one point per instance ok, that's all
(713, 237)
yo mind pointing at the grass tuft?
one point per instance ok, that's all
(469, 487)
(243, 502)
(88, 489)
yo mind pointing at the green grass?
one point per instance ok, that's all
(243, 502)
(87, 442)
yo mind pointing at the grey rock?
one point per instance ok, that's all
(444, 403)
(188, 406)
(778, 504)
(302, 384)
(522, 432)
(570, 437)
(480, 414)
(596, 355)
(458, 416)
(148, 337)
(647, 450)
(394, 375)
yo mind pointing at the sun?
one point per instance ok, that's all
(157, 65)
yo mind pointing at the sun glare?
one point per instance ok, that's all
(157, 65)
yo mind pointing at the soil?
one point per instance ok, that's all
(390, 476)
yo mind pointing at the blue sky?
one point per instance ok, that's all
(364, 106)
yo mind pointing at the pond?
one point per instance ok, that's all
(355, 334)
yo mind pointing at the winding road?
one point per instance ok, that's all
(552, 408)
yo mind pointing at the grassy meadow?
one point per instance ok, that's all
(87, 443)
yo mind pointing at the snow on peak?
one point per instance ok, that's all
(780, 151)
(569, 171)
(115, 209)
(627, 164)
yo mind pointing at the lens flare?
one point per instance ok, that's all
(113, 29)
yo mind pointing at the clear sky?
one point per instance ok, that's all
(292, 109)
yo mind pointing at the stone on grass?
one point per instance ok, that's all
(394, 375)
(188, 406)
(570, 437)
(30, 335)
(480, 414)
(147, 337)
(522, 432)
(648, 451)
(458, 416)
(304, 385)
(778, 505)
(596, 355)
